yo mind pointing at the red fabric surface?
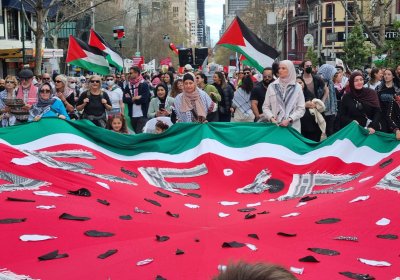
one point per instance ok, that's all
(200, 233)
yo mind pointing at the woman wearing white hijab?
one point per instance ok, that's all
(284, 102)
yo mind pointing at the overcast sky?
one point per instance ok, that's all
(213, 12)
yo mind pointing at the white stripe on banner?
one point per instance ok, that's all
(339, 149)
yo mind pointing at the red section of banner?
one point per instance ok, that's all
(198, 232)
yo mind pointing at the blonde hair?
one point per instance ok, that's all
(12, 78)
(62, 78)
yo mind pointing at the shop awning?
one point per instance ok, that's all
(14, 53)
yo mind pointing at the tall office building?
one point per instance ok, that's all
(201, 23)
(236, 6)
(233, 8)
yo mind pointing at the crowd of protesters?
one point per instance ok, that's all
(315, 101)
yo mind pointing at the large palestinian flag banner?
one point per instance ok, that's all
(239, 38)
(114, 58)
(90, 58)
(81, 202)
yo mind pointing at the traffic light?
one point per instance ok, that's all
(200, 54)
(185, 57)
(119, 32)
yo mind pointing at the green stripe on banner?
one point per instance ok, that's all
(182, 137)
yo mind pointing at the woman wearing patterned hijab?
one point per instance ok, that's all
(284, 102)
(192, 105)
(360, 105)
(47, 105)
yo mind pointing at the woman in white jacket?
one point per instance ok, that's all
(284, 101)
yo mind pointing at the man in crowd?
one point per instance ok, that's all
(27, 90)
(257, 96)
(137, 97)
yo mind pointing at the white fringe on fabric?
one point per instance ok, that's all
(156, 177)
(75, 167)
(390, 181)
(19, 183)
(303, 184)
(259, 184)
(70, 154)
(9, 275)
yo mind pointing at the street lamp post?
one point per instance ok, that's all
(138, 29)
(22, 32)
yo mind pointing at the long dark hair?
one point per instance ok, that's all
(308, 95)
(171, 77)
(221, 76)
(247, 83)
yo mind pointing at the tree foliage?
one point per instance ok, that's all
(392, 50)
(41, 11)
(312, 55)
(356, 51)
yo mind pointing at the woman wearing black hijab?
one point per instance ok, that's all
(360, 105)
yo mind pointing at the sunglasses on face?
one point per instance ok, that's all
(95, 81)
(45, 91)
(58, 82)
(247, 73)
(10, 82)
(72, 82)
(110, 80)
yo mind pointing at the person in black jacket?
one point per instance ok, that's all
(360, 105)
(226, 92)
(389, 97)
(137, 97)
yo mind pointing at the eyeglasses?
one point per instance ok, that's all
(110, 80)
(95, 81)
(58, 81)
(10, 82)
(45, 91)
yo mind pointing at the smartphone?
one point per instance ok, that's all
(161, 106)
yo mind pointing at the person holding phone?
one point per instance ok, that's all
(161, 103)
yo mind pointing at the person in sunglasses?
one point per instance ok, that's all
(94, 102)
(47, 105)
(115, 93)
(257, 96)
(9, 93)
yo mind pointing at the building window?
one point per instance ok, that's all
(328, 32)
(12, 24)
(330, 11)
(28, 33)
(2, 26)
(175, 11)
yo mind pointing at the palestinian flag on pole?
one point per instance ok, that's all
(239, 38)
(90, 203)
(95, 40)
(89, 58)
